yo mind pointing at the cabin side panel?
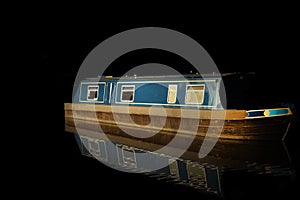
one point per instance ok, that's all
(200, 94)
(193, 93)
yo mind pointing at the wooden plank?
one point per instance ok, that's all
(157, 111)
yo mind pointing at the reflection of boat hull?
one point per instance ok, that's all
(226, 153)
(233, 124)
(205, 175)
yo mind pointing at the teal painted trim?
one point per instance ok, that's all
(274, 112)
(278, 112)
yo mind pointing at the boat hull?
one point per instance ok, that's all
(166, 123)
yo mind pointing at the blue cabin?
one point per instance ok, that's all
(168, 91)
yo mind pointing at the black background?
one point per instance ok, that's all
(264, 45)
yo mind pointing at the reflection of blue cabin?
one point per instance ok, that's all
(172, 91)
(203, 177)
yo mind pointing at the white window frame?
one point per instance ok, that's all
(187, 91)
(172, 90)
(89, 90)
(126, 90)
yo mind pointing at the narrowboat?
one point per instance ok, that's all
(190, 105)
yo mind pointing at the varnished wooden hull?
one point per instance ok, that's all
(233, 124)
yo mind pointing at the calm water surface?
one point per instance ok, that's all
(232, 170)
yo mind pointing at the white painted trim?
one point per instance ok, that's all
(110, 92)
(170, 81)
(269, 109)
(165, 104)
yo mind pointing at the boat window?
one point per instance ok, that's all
(93, 92)
(194, 94)
(172, 93)
(127, 93)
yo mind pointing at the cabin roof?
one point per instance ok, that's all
(162, 77)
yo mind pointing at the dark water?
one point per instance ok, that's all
(264, 45)
(243, 170)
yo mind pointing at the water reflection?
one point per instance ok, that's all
(231, 170)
